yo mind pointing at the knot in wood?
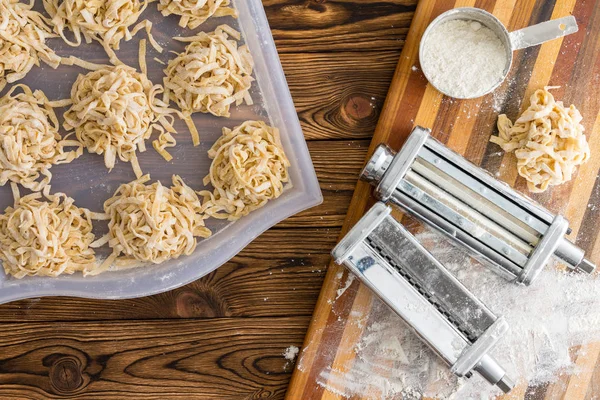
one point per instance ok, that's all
(66, 375)
(201, 305)
(358, 107)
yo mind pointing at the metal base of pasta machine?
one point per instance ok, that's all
(449, 319)
(441, 188)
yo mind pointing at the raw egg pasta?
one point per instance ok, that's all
(547, 139)
(211, 74)
(46, 235)
(152, 223)
(23, 34)
(29, 140)
(114, 110)
(107, 21)
(193, 13)
(249, 168)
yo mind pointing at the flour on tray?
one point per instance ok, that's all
(558, 312)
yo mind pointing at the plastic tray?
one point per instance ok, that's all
(90, 184)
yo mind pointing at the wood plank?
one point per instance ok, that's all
(224, 358)
(338, 164)
(339, 25)
(340, 95)
(279, 274)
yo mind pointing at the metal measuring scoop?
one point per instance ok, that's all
(516, 40)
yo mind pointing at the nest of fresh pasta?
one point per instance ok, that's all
(211, 74)
(114, 110)
(46, 235)
(193, 13)
(23, 35)
(548, 140)
(106, 21)
(153, 223)
(29, 140)
(249, 168)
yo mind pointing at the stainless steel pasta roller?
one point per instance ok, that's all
(510, 232)
(444, 314)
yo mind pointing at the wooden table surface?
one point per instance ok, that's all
(223, 336)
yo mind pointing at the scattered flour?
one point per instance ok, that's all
(290, 353)
(558, 312)
(347, 284)
(463, 58)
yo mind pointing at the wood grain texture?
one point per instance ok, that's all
(339, 97)
(339, 25)
(225, 358)
(465, 126)
(338, 163)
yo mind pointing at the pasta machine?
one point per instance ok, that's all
(515, 235)
(452, 321)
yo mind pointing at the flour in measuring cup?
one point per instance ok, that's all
(463, 58)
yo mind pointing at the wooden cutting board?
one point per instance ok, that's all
(465, 126)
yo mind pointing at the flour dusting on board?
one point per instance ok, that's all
(559, 311)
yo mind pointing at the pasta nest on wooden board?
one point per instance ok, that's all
(547, 139)
(249, 168)
(29, 140)
(23, 34)
(107, 21)
(114, 110)
(153, 223)
(211, 74)
(193, 13)
(46, 235)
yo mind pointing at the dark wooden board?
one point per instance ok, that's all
(228, 358)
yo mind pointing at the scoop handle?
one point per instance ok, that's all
(543, 32)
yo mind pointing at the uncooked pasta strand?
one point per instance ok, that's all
(249, 168)
(23, 34)
(142, 57)
(114, 110)
(211, 74)
(547, 139)
(164, 141)
(29, 140)
(193, 13)
(45, 234)
(82, 63)
(153, 223)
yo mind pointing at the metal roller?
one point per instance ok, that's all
(514, 234)
(447, 317)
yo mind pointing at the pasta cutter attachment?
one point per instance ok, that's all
(444, 314)
(514, 234)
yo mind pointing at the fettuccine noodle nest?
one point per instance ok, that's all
(46, 235)
(29, 140)
(23, 34)
(211, 74)
(114, 110)
(193, 13)
(249, 168)
(153, 223)
(547, 139)
(107, 21)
